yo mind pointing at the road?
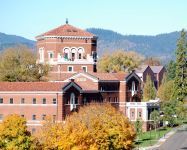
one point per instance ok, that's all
(178, 141)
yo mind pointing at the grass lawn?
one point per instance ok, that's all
(150, 138)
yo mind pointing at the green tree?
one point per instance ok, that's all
(174, 111)
(149, 91)
(138, 126)
(119, 61)
(166, 90)
(14, 134)
(94, 127)
(19, 64)
(155, 117)
(181, 68)
(171, 69)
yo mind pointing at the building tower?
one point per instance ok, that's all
(67, 49)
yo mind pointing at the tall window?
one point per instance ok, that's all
(34, 100)
(44, 100)
(11, 101)
(80, 56)
(1, 100)
(84, 68)
(22, 100)
(33, 117)
(50, 55)
(54, 100)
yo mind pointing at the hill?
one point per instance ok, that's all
(162, 45)
(12, 40)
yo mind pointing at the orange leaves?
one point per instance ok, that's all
(97, 126)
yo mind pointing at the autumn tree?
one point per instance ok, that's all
(14, 134)
(149, 91)
(19, 64)
(119, 61)
(152, 61)
(94, 127)
(166, 90)
(181, 68)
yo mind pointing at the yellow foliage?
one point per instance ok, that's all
(14, 134)
(97, 126)
(119, 61)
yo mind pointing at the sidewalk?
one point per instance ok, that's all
(163, 139)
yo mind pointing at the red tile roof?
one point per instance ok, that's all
(87, 87)
(67, 30)
(103, 76)
(31, 86)
(59, 77)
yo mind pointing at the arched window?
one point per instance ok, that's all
(80, 53)
(66, 52)
(73, 54)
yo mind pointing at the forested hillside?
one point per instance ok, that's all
(162, 45)
(12, 40)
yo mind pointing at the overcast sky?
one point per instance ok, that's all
(29, 18)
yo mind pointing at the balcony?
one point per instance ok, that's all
(61, 60)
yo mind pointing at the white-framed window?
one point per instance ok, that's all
(50, 54)
(33, 117)
(41, 54)
(11, 101)
(70, 68)
(54, 100)
(84, 68)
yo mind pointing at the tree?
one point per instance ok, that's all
(14, 134)
(138, 126)
(171, 69)
(166, 90)
(151, 61)
(96, 126)
(181, 67)
(119, 61)
(149, 91)
(155, 117)
(19, 64)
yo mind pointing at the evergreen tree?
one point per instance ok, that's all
(149, 91)
(171, 69)
(181, 68)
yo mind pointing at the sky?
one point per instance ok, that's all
(29, 18)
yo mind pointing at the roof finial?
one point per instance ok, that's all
(66, 20)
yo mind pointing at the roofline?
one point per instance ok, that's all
(72, 37)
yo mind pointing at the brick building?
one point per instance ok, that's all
(67, 49)
(74, 81)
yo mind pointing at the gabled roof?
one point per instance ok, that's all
(31, 86)
(141, 68)
(67, 30)
(156, 69)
